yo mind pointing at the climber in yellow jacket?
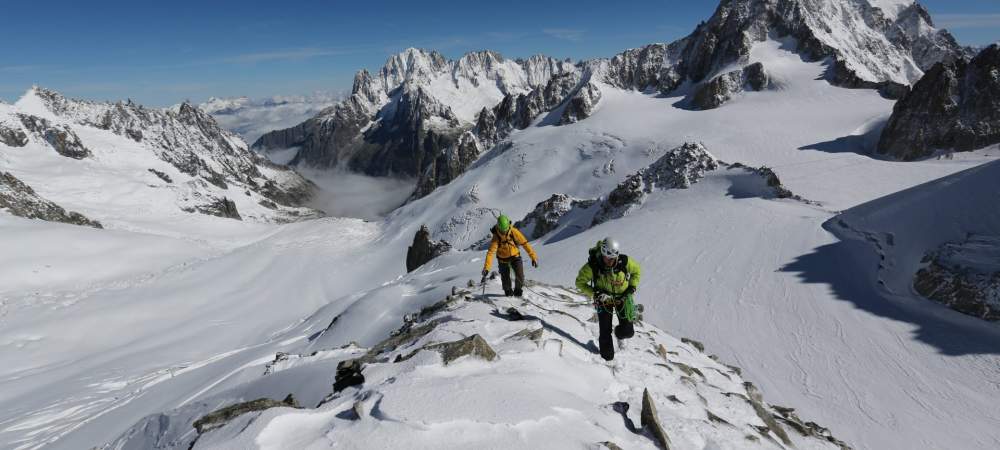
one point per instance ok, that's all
(611, 279)
(506, 238)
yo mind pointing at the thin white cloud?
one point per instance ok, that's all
(297, 54)
(20, 69)
(964, 21)
(566, 34)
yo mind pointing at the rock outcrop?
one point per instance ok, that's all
(60, 137)
(679, 168)
(650, 420)
(964, 276)
(581, 105)
(547, 214)
(720, 89)
(954, 107)
(517, 112)
(219, 207)
(21, 200)
(12, 137)
(472, 346)
(221, 417)
(424, 249)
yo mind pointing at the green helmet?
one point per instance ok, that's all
(503, 223)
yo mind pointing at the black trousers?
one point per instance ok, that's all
(624, 330)
(518, 266)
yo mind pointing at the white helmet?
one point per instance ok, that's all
(609, 248)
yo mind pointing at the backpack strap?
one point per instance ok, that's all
(622, 265)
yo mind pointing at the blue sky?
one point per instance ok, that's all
(160, 53)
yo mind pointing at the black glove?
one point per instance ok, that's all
(628, 292)
(485, 273)
(534, 263)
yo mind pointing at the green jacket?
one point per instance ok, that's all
(611, 281)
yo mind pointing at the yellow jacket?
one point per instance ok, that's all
(504, 246)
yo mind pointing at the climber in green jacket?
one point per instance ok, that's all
(610, 278)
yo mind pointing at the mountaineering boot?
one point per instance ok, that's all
(508, 292)
(518, 293)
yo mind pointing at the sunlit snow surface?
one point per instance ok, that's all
(88, 346)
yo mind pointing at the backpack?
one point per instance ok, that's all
(597, 264)
(508, 239)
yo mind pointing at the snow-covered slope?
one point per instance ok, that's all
(906, 229)
(133, 167)
(516, 374)
(252, 117)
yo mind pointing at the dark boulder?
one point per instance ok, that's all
(424, 249)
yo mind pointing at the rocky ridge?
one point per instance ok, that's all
(206, 164)
(19, 199)
(678, 168)
(954, 107)
(470, 347)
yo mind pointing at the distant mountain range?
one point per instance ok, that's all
(422, 115)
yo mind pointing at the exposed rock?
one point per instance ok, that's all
(161, 175)
(219, 207)
(651, 420)
(424, 249)
(722, 88)
(12, 137)
(348, 374)
(60, 137)
(20, 200)
(648, 67)
(448, 165)
(807, 429)
(757, 401)
(471, 346)
(221, 417)
(546, 215)
(954, 106)
(679, 168)
(964, 276)
(529, 334)
(611, 445)
(694, 343)
(516, 112)
(581, 105)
